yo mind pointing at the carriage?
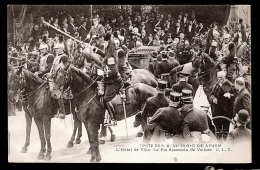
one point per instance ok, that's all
(140, 57)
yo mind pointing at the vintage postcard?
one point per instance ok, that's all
(129, 83)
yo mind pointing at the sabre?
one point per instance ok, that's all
(125, 118)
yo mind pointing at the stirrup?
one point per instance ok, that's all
(107, 123)
(114, 122)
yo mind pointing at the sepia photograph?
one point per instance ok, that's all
(129, 83)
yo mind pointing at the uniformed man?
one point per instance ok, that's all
(195, 126)
(32, 65)
(97, 31)
(113, 81)
(168, 117)
(56, 92)
(153, 104)
(231, 62)
(45, 60)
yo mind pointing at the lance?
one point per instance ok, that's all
(81, 42)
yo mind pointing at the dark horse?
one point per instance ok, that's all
(90, 110)
(40, 105)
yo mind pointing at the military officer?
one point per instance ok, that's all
(154, 64)
(97, 31)
(153, 104)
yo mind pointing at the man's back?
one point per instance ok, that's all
(238, 135)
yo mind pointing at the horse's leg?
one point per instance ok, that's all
(70, 143)
(79, 124)
(39, 124)
(113, 137)
(103, 134)
(140, 133)
(28, 118)
(47, 127)
(90, 140)
(92, 129)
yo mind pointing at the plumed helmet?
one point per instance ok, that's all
(43, 46)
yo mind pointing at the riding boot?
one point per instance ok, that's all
(111, 112)
(61, 108)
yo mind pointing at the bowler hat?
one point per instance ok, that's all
(175, 98)
(154, 54)
(162, 85)
(243, 116)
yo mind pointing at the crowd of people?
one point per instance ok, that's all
(176, 38)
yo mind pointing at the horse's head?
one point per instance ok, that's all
(62, 77)
(16, 84)
(196, 63)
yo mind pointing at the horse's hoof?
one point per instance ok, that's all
(89, 151)
(102, 142)
(40, 157)
(98, 159)
(92, 160)
(70, 145)
(47, 158)
(139, 134)
(24, 150)
(77, 141)
(113, 138)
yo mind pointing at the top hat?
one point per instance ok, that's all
(186, 93)
(243, 116)
(154, 54)
(175, 98)
(162, 85)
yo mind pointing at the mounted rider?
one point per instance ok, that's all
(231, 61)
(56, 92)
(112, 79)
(45, 60)
(96, 33)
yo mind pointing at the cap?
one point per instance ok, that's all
(243, 116)
(175, 97)
(186, 93)
(162, 85)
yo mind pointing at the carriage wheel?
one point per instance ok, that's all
(220, 132)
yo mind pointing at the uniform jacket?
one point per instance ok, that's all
(165, 67)
(181, 85)
(83, 32)
(45, 63)
(153, 104)
(168, 118)
(98, 30)
(229, 58)
(194, 120)
(242, 101)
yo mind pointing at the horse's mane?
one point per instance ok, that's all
(37, 79)
(81, 73)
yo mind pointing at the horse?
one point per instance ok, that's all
(90, 110)
(40, 105)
